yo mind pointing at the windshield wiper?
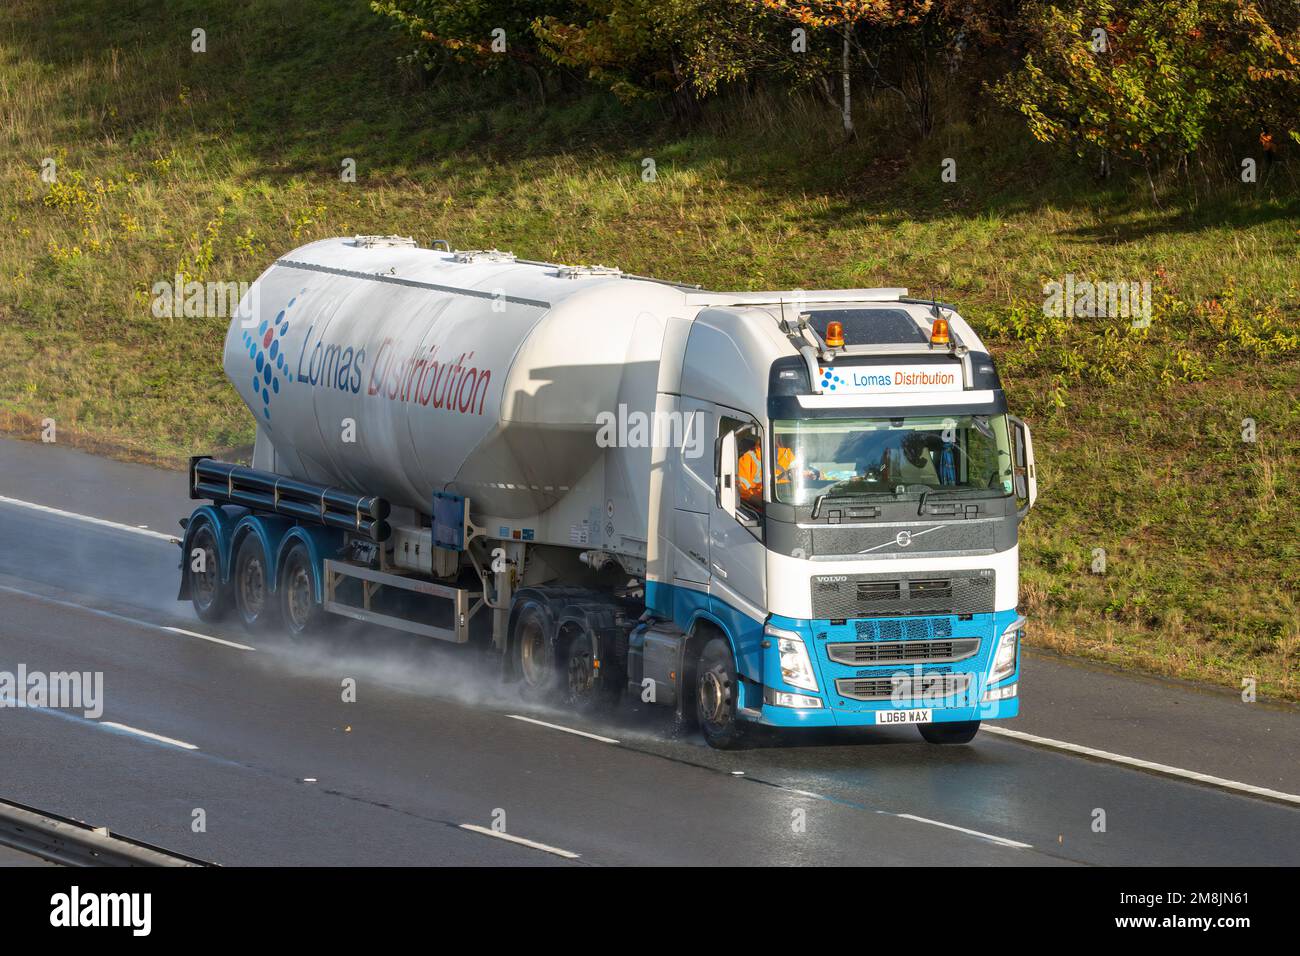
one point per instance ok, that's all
(849, 501)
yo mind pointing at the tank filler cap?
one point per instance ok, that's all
(587, 272)
(482, 255)
(383, 242)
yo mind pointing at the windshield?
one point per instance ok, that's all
(963, 454)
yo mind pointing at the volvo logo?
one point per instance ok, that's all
(903, 539)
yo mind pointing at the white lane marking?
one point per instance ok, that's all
(567, 730)
(145, 733)
(1162, 768)
(206, 637)
(128, 620)
(104, 522)
(520, 840)
(1001, 841)
(807, 793)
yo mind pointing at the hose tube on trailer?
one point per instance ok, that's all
(305, 501)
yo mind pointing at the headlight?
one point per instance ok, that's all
(1004, 658)
(796, 668)
(782, 698)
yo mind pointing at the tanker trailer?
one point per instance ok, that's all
(793, 509)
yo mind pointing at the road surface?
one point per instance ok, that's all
(242, 750)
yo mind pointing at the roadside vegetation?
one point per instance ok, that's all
(1170, 452)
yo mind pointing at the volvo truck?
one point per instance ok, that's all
(792, 509)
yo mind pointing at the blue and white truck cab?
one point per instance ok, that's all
(869, 575)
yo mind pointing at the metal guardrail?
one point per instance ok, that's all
(71, 843)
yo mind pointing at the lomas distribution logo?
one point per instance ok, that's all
(459, 386)
(264, 349)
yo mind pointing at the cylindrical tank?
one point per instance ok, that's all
(398, 371)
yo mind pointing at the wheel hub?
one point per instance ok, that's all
(581, 675)
(300, 599)
(713, 697)
(532, 655)
(253, 585)
(205, 582)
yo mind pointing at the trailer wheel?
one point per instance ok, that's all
(257, 605)
(299, 609)
(716, 692)
(209, 594)
(534, 653)
(952, 732)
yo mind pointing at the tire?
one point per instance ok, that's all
(534, 653)
(953, 732)
(717, 689)
(208, 593)
(300, 612)
(256, 603)
(586, 688)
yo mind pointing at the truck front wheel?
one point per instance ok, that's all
(253, 597)
(209, 594)
(955, 732)
(716, 692)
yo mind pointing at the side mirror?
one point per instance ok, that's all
(1024, 469)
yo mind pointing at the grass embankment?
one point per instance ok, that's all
(212, 164)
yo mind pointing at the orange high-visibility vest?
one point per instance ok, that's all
(749, 472)
(784, 459)
(749, 469)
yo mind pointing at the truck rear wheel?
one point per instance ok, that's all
(299, 609)
(953, 732)
(590, 687)
(716, 691)
(534, 653)
(209, 594)
(254, 599)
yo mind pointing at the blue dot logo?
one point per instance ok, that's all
(266, 349)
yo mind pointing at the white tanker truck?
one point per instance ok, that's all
(796, 509)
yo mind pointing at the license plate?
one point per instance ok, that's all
(904, 716)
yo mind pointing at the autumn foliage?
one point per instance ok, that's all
(1147, 80)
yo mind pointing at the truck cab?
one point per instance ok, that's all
(847, 530)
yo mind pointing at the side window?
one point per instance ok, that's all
(749, 462)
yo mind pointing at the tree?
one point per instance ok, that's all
(843, 17)
(488, 34)
(1150, 79)
(652, 48)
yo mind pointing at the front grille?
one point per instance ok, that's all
(841, 597)
(879, 591)
(904, 652)
(937, 589)
(903, 629)
(908, 687)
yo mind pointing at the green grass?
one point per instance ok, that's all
(213, 164)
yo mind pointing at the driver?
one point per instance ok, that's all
(750, 469)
